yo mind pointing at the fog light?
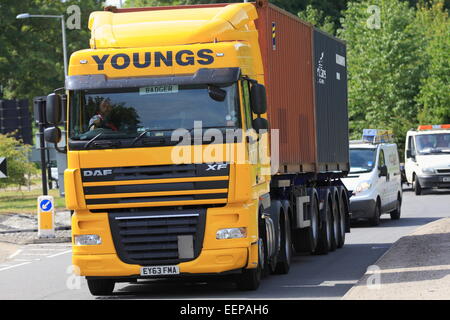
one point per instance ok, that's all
(231, 233)
(87, 239)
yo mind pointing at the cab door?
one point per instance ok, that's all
(382, 181)
(410, 162)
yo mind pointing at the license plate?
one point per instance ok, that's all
(446, 179)
(159, 271)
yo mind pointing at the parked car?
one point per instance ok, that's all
(374, 179)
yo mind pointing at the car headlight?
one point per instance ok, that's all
(363, 186)
(428, 170)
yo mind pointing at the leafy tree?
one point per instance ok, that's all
(16, 154)
(317, 18)
(433, 26)
(31, 58)
(384, 71)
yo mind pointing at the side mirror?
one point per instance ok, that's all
(383, 171)
(53, 109)
(260, 124)
(259, 98)
(52, 134)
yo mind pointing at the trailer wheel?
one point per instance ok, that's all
(285, 255)
(306, 239)
(101, 287)
(342, 214)
(325, 233)
(250, 279)
(335, 224)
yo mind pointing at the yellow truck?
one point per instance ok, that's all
(172, 170)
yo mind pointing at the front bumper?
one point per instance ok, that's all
(362, 207)
(215, 257)
(434, 181)
(209, 261)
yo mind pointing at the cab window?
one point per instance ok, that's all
(246, 103)
(381, 161)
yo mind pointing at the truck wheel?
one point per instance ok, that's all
(325, 233)
(342, 213)
(306, 239)
(336, 226)
(250, 279)
(101, 287)
(375, 220)
(395, 215)
(416, 186)
(285, 255)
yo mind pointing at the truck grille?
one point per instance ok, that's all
(443, 171)
(158, 237)
(145, 186)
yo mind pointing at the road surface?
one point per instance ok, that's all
(44, 271)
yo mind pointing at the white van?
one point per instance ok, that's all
(374, 181)
(427, 157)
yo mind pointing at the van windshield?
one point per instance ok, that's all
(362, 160)
(433, 143)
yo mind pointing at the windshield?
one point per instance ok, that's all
(433, 143)
(362, 160)
(128, 113)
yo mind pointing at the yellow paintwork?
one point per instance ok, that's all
(228, 36)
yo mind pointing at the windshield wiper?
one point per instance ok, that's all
(92, 140)
(102, 144)
(160, 139)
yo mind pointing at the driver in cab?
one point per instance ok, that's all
(102, 118)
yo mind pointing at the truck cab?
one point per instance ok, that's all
(427, 157)
(374, 179)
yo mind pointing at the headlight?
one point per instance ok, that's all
(87, 239)
(231, 233)
(428, 170)
(363, 186)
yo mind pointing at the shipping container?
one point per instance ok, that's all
(306, 81)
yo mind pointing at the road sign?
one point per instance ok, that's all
(3, 171)
(46, 217)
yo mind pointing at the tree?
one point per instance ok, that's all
(16, 154)
(318, 19)
(31, 58)
(434, 27)
(384, 71)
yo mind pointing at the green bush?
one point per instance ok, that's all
(19, 167)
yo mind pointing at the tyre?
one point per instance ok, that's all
(416, 186)
(285, 254)
(250, 279)
(375, 220)
(342, 226)
(325, 232)
(101, 287)
(306, 239)
(395, 215)
(335, 224)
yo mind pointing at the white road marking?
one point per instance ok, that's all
(323, 284)
(14, 266)
(59, 254)
(15, 254)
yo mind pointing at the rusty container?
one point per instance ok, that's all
(310, 112)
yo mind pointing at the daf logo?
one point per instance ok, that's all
(216, 167)
(97, 173)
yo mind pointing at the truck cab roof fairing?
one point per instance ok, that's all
(202, 76)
